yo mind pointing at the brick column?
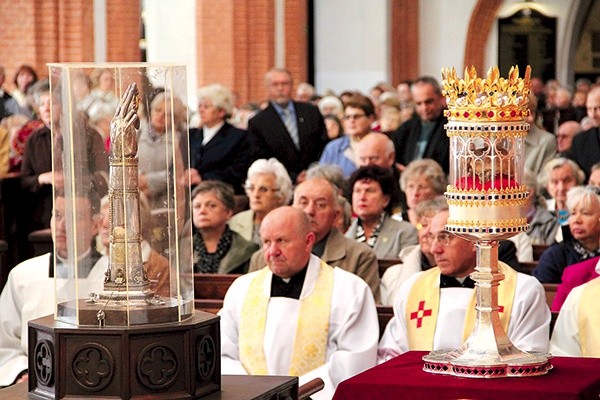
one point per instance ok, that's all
(123, 31)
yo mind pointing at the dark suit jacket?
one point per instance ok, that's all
(37, 159)
(226, 157)
(585, 150)
(405, 140)
(270, 138)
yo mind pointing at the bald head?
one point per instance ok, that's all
(287, 240)
(376, 149)
(566, 132)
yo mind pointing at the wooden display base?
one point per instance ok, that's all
(179, 360)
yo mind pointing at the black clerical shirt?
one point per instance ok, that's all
(450, 281)
(291, 289)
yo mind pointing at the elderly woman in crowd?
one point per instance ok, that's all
(218, 150)
(372, 194)
(414, 258)
(558, 176)
(543, 225)
(164, 129)
(421, 180)
(268, 186)
(216, 248)
(584, 240)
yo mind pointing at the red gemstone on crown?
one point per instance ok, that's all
(478, 114)
(513, 113)
(490, 114)
(466, 114)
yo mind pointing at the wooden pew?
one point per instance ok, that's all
(527, 267)
(212, 286)
(209, 305)
(386, 263)
(41, 241)
(384, 314)
(550, 290)
(538, 249)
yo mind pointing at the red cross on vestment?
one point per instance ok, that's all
(420, 314)
(500, 309)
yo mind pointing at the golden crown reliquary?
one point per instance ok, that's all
(486, 199)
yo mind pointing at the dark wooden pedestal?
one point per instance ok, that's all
(165, 361)
(232, 388)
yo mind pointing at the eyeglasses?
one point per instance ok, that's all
(353, 116)
(442, 238)
(259, 189)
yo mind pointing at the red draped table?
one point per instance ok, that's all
(403, 377)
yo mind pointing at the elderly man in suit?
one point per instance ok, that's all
(292, 132)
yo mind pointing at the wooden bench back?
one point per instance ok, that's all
(384, 264)
(212, 286)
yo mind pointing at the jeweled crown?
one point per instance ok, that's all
(491, 99)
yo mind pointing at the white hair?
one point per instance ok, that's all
(282, 178)
(220, 95)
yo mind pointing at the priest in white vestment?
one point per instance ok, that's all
(29, 291)
(298, 316)
(576, 330)
(435, 309)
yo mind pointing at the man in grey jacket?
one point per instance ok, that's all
(318, 199)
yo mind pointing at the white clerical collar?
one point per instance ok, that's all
(210, 133)
(598, 267)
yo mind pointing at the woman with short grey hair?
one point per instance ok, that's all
(268, 186)
(218, 150)
(557, 177)
(421, 180)
(584, 239)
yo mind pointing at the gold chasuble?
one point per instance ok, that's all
(589, 319)
(423, 304)
(310, 341)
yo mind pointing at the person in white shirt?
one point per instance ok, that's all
(298, 315)
(28, 293)
(434, 309)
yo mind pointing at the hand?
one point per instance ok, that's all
(192, 176)
(23, 378)
(45, 178)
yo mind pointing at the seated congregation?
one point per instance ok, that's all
(330, 268)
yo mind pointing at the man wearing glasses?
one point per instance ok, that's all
(432, 307)
(359, 115)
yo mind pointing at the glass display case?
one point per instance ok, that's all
(121, 218)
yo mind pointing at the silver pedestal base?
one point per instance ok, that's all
(487, 352)
(466, 365)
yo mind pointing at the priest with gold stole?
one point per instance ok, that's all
(435, 309)
(298, 315)
(576, 331)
